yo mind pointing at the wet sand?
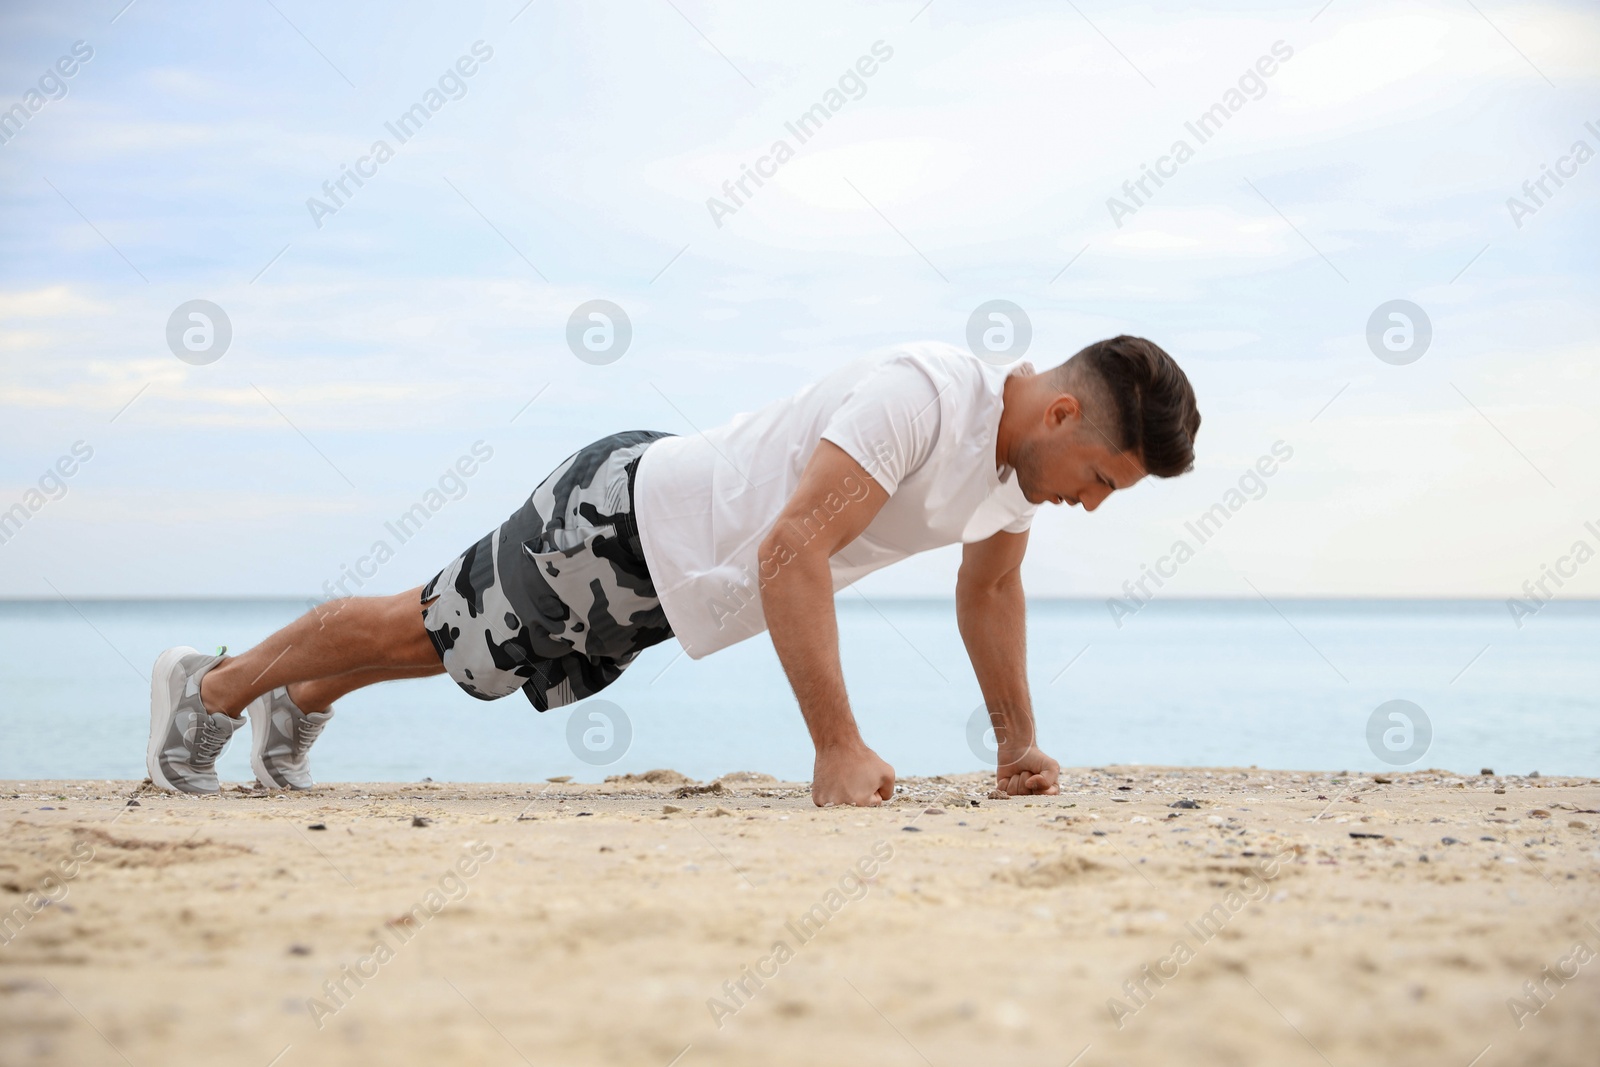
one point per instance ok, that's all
(1146, 915)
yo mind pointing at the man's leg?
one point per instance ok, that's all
(336, 638)
(319, 694)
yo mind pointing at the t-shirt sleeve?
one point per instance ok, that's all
(1020, 524)
(888, 423)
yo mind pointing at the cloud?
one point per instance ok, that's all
(988, 144)
(50, 302)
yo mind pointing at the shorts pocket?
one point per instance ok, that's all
(561, 585)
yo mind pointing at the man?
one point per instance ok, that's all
(714, 538)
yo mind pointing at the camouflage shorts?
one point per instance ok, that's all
(558, 601)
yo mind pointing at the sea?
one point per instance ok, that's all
(1326, 685)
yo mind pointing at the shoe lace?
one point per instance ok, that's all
(209, 741)
(305, 733)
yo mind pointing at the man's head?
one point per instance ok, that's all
(1116, 411)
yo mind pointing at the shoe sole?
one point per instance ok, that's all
(161, 713)
(260, 712)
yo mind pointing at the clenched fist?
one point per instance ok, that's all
(1027, 771)
(851, 774)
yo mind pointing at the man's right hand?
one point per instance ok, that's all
(851, 774)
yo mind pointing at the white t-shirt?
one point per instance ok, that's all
(922, 419)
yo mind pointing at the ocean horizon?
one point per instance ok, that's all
(1294, 683)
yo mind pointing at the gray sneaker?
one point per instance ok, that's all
(185, 739)
(281, 736)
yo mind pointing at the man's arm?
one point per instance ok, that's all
(834, 502)
(991, 613)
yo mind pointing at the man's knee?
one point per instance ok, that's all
(387, 630)
(404, 638)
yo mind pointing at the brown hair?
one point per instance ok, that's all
(1150, 398)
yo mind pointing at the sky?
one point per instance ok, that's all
(386, 337)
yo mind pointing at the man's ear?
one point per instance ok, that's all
(1062, 409)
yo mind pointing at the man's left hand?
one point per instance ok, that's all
(1029, 772)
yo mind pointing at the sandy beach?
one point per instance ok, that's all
(1146, 915)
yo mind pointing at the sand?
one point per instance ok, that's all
(1271, 917)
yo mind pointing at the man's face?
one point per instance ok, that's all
(1067, 461)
